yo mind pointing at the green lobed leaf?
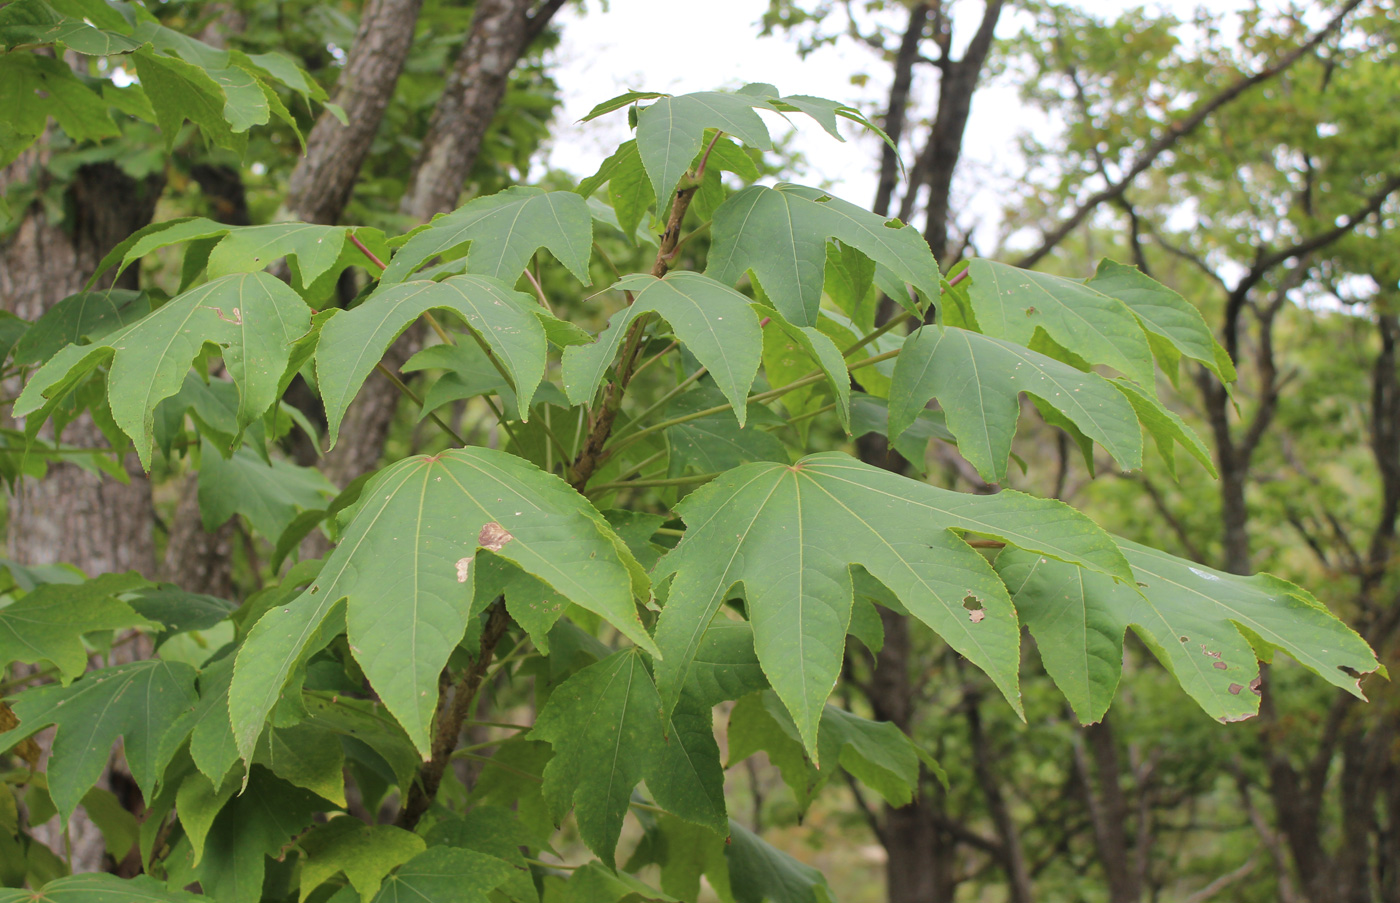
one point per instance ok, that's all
(789, 535)
(445, 875)
(1163, 313)
(670, 132)
(404, 565)
(136, 703)
(761, 873)
(353, 342)
(178, 91)
(781, 235)
(608, 733)
(48, 624)
(267, 493)
(1166, 428)
(85, 315)
(977, 380)
(1207, 627)
(365, 853)
(712, 320)
(504, 230)
(1011, 303)
(715, 443)
(253, 318)
(99, 887)
(257, 823)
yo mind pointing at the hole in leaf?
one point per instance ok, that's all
(975, 611)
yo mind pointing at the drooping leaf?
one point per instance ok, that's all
(872, 415)
(671, 130)
(1012, 303)
(86, 315)
(308, 756)
(781, 234)
(48, 624)
(761, 873)
(496, 832)
(259, 822)
(99, 887)
(445, 875)
(789, 535)
(249, 249)
(1166, 428)
(791, 352)
(504, 229)
(876, 753)
(136, 702)
(405, 564)
(365, 853)
(596, 884)
(977, 379)
(267, 493)
(1207, 627)
(1165, 314)
(714, 443)
(253, 318)
(608, 733)
(353, 342)
(725, 666)
(178, 91)
(712, 320)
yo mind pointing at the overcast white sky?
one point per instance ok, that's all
(676, 47)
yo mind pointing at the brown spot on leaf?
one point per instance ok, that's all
(493, 536)
(1257, 686)
(1235, 689)
(463, 568)
(1221, 666)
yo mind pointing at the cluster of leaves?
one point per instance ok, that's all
(342, 688)
(134, 66)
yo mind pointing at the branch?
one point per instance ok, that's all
(897, 112)
(1223, 882)
(1177, 131)
(452, 711)
(1265, 261)
(539, 20)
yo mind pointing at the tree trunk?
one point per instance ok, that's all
(320, 185)
(501, 30)
(73, 516)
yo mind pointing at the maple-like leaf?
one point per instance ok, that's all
(781, 235)
(608, 732)
(504, 230)
(136, 703)
(48, 624)
(1210, 629)
(405, 567)
(791, 534)
(712, 320)
(977, 380)
(253, 318)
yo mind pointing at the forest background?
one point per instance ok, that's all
(1251, 167)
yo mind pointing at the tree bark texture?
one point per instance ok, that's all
(73, 516)
(321, 184)
(501, 30)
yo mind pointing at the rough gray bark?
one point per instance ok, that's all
(320, 185)
(501, 30)
(73, 516)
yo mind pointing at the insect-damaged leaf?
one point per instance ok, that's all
(254, 319)
(608, 732)
(404, 566)
(714, 322)
(977, 380)
(781, 235)
(1207, 627)
(353, 342)
(504, 230)
(789, 535)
